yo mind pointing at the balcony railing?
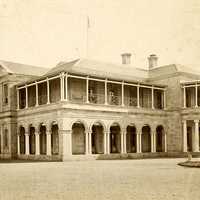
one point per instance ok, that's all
(97, 98)
(130, 101)
(115, 100)
(77, 98)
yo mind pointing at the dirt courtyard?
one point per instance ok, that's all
(156, 179)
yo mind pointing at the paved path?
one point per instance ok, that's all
(156, 179)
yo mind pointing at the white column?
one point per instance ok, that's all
(62, 87)
(140, 143)
(152, 98)
(196, 96)
(164, 99)
(138, 96)
(86, 143)
(17, 99)
(184, 136)
(66, 87)
(123, 93)
(125, 142)
(48, 134)
(106, 93)
(152, 142)
(27, 152)
(184, 97)
(196, 136)
(48, 92)
(138, 136)
(37, 143)
(90, 143)
(165, 142)
(26, 96)
(67, 142)
(87, 90)
(108, 143)
(36, 96)
(105, 142)
(122, 142)
(18, 144)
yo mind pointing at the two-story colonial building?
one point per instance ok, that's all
(98, 110)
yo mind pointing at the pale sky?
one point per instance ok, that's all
(45, 32)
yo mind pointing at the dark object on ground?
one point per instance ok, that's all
(190, 164)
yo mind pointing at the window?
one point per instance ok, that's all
(5, 94)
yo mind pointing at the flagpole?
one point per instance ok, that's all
(87, 35)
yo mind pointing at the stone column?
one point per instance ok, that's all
(140, 143)
(125, 141)
(152, 143)
(184, 136)
(37, 143)
(18, 144)
(122, 142)
(87, 90)
(90, 143)
(184, 97)
(48, 135)
(196, 96)
(165, 142)
(123, 93)
(106, 93)
(138, 138)
(86, 142)
(27, 151)
(196, 136)
(26, 88)
(138, 96)
(108, 143)
(67, 142)
(152, 98)
(48, 92)
(105, 142)
(36, 96)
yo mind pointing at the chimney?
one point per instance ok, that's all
(153, 60)
(126, 58)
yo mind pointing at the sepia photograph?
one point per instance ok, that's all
(99, 100)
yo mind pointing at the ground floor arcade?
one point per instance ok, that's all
(50, 140)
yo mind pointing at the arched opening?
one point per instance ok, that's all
(54, 140)
(115, 139)
(189, 138)
(160, 139)
(22, 140)
(32, 140)
(43, 140)
(97, 139)
(5, 139)
(146, 139)
(78, 138)
(131, 144)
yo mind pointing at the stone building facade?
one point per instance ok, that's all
(91, 109)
